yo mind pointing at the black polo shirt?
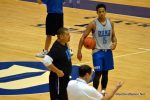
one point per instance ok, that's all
(61, 57)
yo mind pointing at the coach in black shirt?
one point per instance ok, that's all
(58, 61)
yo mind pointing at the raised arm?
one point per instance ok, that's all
(111, 94)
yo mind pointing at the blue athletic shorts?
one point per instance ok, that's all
(103, 60)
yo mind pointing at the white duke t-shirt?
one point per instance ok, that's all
(79, 90)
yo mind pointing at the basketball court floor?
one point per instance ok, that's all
(22, 35)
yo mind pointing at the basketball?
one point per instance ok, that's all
(89, 43)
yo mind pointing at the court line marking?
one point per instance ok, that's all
(135, 53)
(26, 82)
(145, 50)
(17, 69)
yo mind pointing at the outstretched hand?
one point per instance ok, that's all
(119, 84)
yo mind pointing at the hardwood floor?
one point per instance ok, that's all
(22, 35)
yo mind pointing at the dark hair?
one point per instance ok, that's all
(84, 69)
(61, 31)
(100, 6)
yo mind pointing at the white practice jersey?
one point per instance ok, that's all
(103, 35)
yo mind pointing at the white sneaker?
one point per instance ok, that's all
(103, 92)
(71, 52)
(42, 54)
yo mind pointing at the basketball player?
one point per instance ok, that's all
(102, 29)
(58, 61)
(54, 21)
(79, 89)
